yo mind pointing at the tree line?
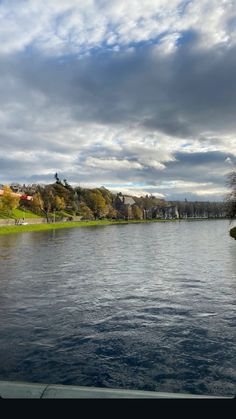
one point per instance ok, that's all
(59, 200)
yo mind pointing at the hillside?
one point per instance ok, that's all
(18, 213)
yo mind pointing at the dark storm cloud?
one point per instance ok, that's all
(199, 167)
(182, 95)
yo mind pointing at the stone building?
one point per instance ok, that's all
(123, 204)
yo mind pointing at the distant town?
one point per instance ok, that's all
(59, 201)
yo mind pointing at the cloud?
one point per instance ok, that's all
(140, 93)
(74, 26)
(112, 164)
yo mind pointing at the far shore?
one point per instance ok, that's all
(13, 229)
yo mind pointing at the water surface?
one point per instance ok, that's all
(139, 306)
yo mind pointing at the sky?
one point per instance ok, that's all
(138, 96)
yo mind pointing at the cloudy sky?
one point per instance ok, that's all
(138, 95)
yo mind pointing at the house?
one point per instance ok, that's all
(19, 195)
(123, 204)
(26, 197)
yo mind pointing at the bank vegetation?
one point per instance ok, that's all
(59, 202)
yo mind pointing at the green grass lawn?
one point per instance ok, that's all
(52, 226)
(70, 224)
(18, 213)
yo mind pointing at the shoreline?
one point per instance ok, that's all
(16, 229)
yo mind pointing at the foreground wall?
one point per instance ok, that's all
(17, 390)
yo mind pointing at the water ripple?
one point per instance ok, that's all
(138, 306)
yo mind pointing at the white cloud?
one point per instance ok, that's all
(61, 27)
(112, 164)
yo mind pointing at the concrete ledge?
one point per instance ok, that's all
(19, 390)
(15, 390)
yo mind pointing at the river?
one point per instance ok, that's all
(139, 306)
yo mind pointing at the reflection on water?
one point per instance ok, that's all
(145, 306)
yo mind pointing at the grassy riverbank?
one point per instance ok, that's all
(70, 224)
(233, 232)
(18, 213)
(12, 229)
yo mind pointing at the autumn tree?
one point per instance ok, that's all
(107, 195)
(41, 204)
(65, 191)
(111, 212)
(137, 212)
(37, 203)
(46, 201)
(9, 201)
(96, 203)
(58, 204)
(85, 211)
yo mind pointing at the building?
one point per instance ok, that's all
(123, 204)
(163, 212)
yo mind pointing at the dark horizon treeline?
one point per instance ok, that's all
(61, 200)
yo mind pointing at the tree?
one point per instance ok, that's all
(9, 201)
(44, 199)
(67, 185)
(107, 195)
(96, 203)
(57, 179)
(111, 212)
(137, 212)
(58, 204)
(37, 203)
(231, 198)
(85, 211)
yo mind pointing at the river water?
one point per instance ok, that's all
(139, 306)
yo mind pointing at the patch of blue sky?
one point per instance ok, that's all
(29, 48)
(146, 42)
(186, 37)
(80, 50)
(107, 47)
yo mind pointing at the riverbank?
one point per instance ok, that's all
(13, 229)
(68, 224)
(233, 232)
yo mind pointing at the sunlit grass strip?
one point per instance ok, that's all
(12, 229)
(69, 224)
(18, 213)
(233, 232)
